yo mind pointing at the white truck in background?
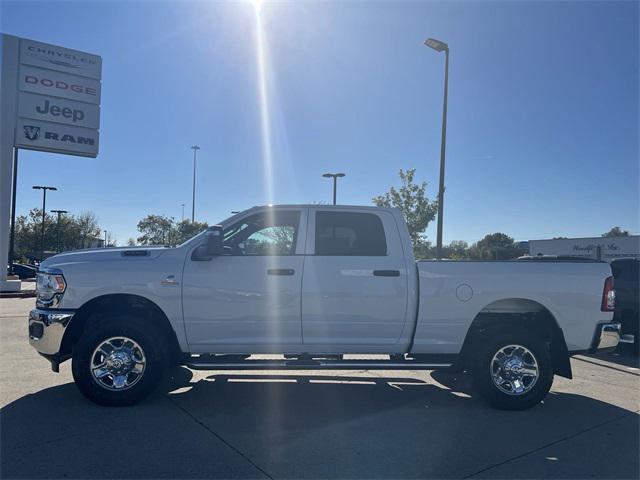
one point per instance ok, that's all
(310, 285)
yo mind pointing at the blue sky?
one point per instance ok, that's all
(543, 109)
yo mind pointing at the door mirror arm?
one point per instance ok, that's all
(212, 247)
(200, 254)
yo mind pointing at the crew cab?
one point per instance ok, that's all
(316, 287)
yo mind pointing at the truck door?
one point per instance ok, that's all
(248, 300)
(355, 285)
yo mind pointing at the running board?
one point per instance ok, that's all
(314, 365)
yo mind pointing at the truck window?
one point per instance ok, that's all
(265, 233)
(349, 233)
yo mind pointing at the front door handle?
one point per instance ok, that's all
(386, 273)
(281, 271)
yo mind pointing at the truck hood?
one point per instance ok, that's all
(96, 255)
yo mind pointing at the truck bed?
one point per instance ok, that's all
(453, 293)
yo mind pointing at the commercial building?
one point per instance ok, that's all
(603, 248)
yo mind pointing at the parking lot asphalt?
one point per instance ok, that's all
(301, 424)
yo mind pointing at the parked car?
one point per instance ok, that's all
(25, 272)
(555, 258)
(626, 273)
(313, 284)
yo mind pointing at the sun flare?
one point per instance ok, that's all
(263, 94)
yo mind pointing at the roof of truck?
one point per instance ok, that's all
(315, 205)
(320, 205)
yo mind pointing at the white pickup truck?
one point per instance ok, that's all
(316, 287)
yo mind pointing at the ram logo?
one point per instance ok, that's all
(31, 132)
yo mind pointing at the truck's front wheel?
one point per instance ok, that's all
(513, 371)
(118, 362)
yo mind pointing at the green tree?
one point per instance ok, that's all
(616, 232)
(186, 229)
(76, 231)
(495, 246)
(163, 230)
(410, 198)
(456, 250)
(28, 235)
(85, 230)
(155, 230)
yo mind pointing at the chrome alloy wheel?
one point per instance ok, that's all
(514, 370)
(118, 363)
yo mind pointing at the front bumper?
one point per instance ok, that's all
(46, 330)
(606, 338)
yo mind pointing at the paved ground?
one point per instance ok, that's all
(299, 425)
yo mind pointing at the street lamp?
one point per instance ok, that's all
(44, 189)
(335, 177)
(195, 149)
(439, 46)
(182, 211)
(59, 212)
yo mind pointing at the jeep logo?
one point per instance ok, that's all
(50, 109)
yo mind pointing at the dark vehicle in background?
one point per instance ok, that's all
(626, 274)
(25, 272)
(556, 258)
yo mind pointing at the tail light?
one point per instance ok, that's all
(608, 296)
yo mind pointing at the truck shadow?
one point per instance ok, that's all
(355, 425)
(623, 356)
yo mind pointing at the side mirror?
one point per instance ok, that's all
(214, 238)
(213, 245)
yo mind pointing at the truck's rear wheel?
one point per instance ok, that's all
(513, 371)
(118, 361)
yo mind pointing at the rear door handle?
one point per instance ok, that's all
(281, 271)
(386, 273)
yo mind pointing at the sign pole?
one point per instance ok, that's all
(12, 235)
(9, 51)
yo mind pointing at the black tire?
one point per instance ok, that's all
(490, 345)
(148, 339)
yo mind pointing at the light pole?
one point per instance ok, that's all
(44, 189)
(182, 211)
(195, 149)
(59, 212)
(335, 177)
(439, 46)
(105, 239)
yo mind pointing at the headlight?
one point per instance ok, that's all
(50, 283)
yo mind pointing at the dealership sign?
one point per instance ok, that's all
(46, 82)
(58, 99)
(58, 110)
(56, 137)
(60, 59)
(49, 101)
